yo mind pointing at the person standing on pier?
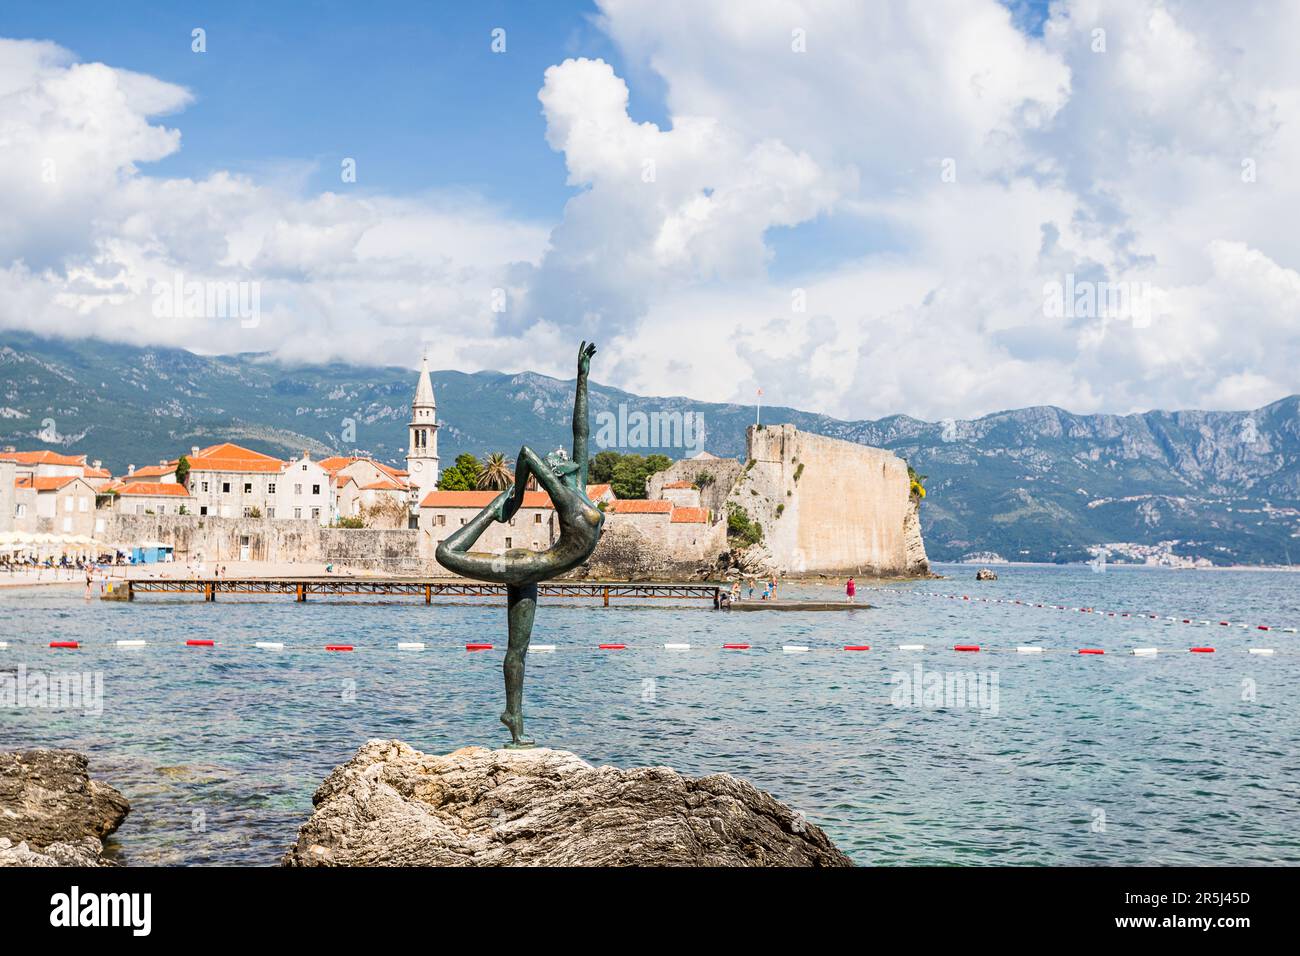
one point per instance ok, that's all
(851, 589)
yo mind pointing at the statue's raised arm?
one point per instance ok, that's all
(580, 426)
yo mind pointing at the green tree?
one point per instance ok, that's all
(741, 528)
(601, 467)
(462, 476)
(630, 472)
(498, 472)
(182, 469)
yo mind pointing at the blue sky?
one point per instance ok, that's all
(849, 205)
(411, 90)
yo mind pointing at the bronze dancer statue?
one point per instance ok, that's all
(565, 480)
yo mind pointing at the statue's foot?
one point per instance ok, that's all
(515, 721)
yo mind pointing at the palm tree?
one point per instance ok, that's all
(498, 472)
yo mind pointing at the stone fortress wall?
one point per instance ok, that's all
(829, 506)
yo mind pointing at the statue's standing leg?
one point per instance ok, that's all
(521, 602)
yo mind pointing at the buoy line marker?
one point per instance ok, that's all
(1086, 610)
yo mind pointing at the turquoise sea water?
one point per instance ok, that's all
(1181, 758)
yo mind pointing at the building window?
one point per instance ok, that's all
(21, 512)
(162, 509)
(315, 489)
(248, 487)
(537, 518)
(205, 487)
(225, 487)
(315, 514)
(248, 512)
(297, 489)
(270, 489)
(297, 512)
(270, 512)
(440, 520)
(510, 542)
(67, 504)
(203, 510)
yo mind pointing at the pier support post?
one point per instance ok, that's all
(209, 591)
(302, 592)
(606, 597)
(130, 591)
(428, 594)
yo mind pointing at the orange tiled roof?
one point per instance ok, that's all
(45, 484)
(597, 491)
(151, 471)
(638, 506)
(384, 484)
(690, 515)
(231, 457)
(168, 489)
(679, 484)
(336, 463)
(479, 499)
(97, 473)
(43, 457)
(397, 473)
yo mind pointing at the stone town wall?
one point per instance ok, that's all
(639, 547)
(723, 471)
(826, 505)
(211, 539)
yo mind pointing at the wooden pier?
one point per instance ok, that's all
(426, 588)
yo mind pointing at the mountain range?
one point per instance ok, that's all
(1032, 484)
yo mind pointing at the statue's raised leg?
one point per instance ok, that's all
(521, 604)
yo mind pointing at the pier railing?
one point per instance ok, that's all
(303, 588)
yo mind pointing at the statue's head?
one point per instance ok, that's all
(560, 464)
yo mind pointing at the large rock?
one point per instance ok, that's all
(51, 812)
(391, 805)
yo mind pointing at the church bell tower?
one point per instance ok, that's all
(422, 447)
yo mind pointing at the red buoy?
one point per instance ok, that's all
(1264, 627)
(1201, 650)
(965, 647)
(735, 647)
(478, 647)
(857, 647)
(1091, 650)
(1223, 623)
(70, 644)
(200, 643)
(338, 647)
(612, 647)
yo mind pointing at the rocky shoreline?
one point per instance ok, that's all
(391, 805)
(52, 813)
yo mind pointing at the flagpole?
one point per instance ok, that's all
(758, 405)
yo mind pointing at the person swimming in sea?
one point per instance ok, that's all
(565, 480)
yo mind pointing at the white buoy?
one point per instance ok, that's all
(793, 649)
(3, 644)
(130, 643)
(677, 647)
(1029, 649)
(539, 648)
(1145, 651)
(269, 645)
(911, 647)
(1289, 630)
(1260, 650)
(410, 645)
